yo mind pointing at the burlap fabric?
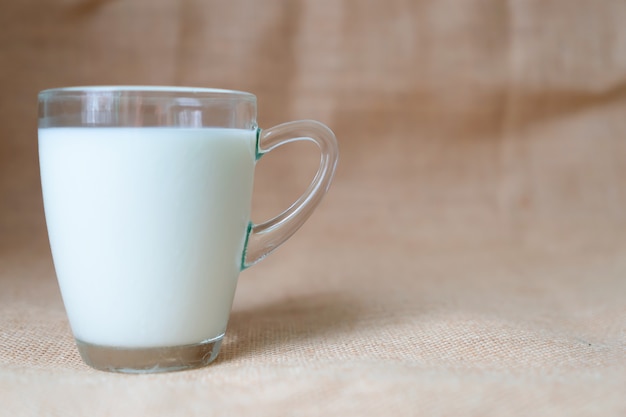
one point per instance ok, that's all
(469, 260)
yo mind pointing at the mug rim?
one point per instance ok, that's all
(155, 89)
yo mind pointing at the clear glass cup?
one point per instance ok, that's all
(147, 194)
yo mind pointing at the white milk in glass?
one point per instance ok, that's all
(147, 228)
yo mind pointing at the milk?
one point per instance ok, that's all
(147, 228)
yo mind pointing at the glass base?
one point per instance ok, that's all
(150, 360)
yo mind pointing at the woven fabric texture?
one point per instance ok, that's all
(469, 259)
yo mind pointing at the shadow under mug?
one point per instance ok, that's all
(147, 194)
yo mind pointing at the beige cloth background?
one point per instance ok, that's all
(470, 258)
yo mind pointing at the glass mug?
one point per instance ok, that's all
(147, 194)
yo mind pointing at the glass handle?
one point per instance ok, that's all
(263, 238)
